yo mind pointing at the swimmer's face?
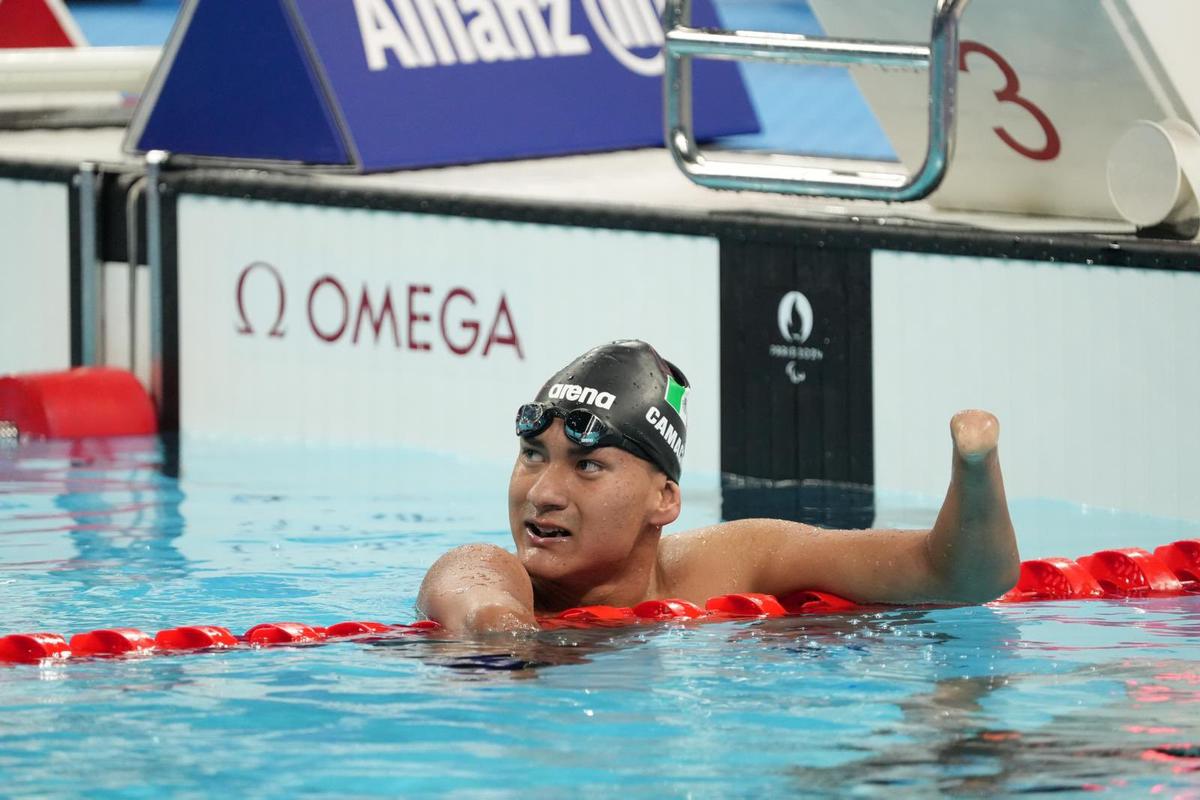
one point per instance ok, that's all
(577, 515)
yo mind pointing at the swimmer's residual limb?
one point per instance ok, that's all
(1173, 569)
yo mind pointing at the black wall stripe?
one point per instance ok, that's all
(169, 423)
(75, 273)
(796, 412)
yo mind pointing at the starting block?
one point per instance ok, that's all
(1075, 108)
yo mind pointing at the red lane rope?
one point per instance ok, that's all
(1171, 570)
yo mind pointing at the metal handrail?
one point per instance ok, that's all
(809, 176)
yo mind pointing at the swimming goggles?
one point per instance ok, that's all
(581, 426)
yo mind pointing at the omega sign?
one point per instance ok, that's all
(795, 319)
(411, 316)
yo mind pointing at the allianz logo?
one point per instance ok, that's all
(430, 33)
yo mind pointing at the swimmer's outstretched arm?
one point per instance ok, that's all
(478, 588)
(969, 556)
(972, 546)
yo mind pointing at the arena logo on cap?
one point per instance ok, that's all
(430, 33)
(582, 394)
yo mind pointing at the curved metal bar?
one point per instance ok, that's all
(880, 180)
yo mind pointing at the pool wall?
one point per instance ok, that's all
(827, 350)
(335, 324)
(36, 296)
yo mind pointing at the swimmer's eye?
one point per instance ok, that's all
(532, 455)
(589, 465)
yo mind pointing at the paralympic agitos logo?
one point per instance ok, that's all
(414, 316)
(795, 319)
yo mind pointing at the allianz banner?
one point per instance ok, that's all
(390, 84)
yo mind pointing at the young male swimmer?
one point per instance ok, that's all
(597, 478)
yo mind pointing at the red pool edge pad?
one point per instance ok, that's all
(77, 403)
(1172, 570)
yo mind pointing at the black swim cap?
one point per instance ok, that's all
(634, 390)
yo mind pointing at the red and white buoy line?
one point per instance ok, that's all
(1171, 570)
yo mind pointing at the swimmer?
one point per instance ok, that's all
(597, 479)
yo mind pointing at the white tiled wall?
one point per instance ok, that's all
(567, 289)
(35, 304)
(1091, 370)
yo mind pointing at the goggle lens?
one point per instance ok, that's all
(584, 428)
(532, 419)
(581, 427)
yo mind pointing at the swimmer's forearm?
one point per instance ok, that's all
(499, 617)
(972, 547)
(478, 589)
(480, 612)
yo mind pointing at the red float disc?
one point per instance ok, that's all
(811, 602)
(746, 604)
(110, 642)
(194, 637)
(672, 608)
(355, 628)
(282, 633)
(1131, 572)
(30, 648)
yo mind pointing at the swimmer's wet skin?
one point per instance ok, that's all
(596, 480)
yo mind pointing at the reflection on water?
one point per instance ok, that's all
(924, 702)
(955, 748)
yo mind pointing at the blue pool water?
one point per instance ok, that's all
(1060, 698)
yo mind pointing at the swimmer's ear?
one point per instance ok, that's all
(666, 509)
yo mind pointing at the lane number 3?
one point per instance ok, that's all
(1011, 93)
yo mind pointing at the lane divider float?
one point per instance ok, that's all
(1171, 570)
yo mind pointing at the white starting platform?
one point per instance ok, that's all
(1052, 279)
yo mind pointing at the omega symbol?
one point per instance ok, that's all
(244, 327)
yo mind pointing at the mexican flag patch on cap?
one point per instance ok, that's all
(676, 397)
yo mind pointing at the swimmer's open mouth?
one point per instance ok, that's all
(546, 531)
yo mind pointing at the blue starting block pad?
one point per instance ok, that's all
(379, 85)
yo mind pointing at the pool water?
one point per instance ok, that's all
(1059, 698)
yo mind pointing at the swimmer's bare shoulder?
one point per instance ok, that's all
(478, 587)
